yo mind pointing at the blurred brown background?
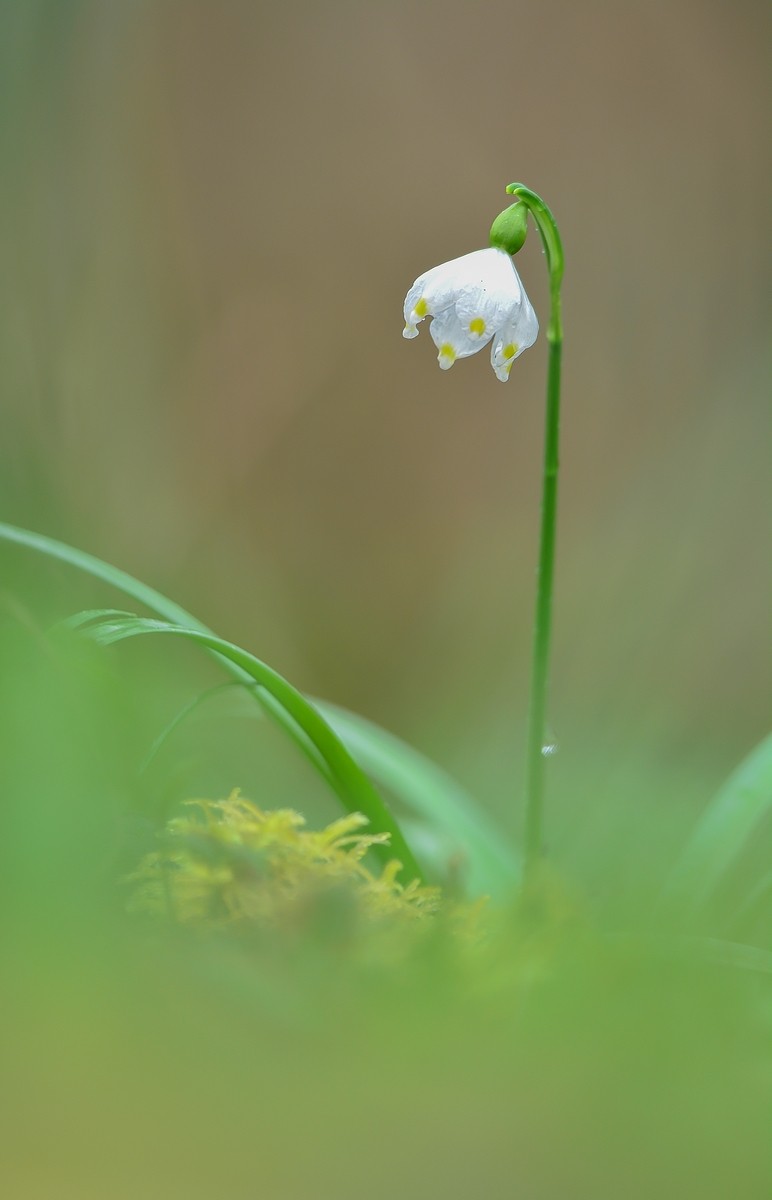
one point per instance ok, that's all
(210, 215)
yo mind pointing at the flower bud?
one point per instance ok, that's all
(509, 229)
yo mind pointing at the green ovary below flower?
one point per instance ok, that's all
(474, 300)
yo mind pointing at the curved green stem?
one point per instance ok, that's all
(537, 708)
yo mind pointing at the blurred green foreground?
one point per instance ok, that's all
(541, 1055)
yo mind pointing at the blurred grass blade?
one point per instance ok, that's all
(157, 603)
(426, 789)
(755, 907)
(90, 616)
(352, 785)
(489, 865)
(92, 565)
(724, 829)
(736, 955)
(418, 783)
(253, 690)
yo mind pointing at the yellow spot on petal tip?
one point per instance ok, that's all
(477, 325)
(447, 351)
(421, 308)
(510, 350)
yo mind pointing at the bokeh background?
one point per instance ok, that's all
(210, 214)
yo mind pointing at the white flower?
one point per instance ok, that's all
(474, 299)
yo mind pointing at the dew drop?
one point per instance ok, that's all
(549, 749)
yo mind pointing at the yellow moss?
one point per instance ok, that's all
(231, 861)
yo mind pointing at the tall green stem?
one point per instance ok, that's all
(537, 709)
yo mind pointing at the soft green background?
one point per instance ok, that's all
(210, 215)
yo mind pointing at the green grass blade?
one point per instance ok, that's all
(420, 785)
(92, 565)
(416, 782)
(352, 785)
(89, 564)
(724, 829)
(90, 616)
(427, 790)
(755, 906)
(251, 689)
(735, 955)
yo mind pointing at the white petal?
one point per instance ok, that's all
(432, 293)
(490, 271)
(449, 334)
(488, 294)
(474, 299)
(517, 335)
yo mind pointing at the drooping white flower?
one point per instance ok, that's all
(474, 300)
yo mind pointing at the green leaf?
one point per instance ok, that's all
(488, 864)
(349, 780)
(92, 565)
(421, 786)
(425, 789)
(724, 829)
(187, 711)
